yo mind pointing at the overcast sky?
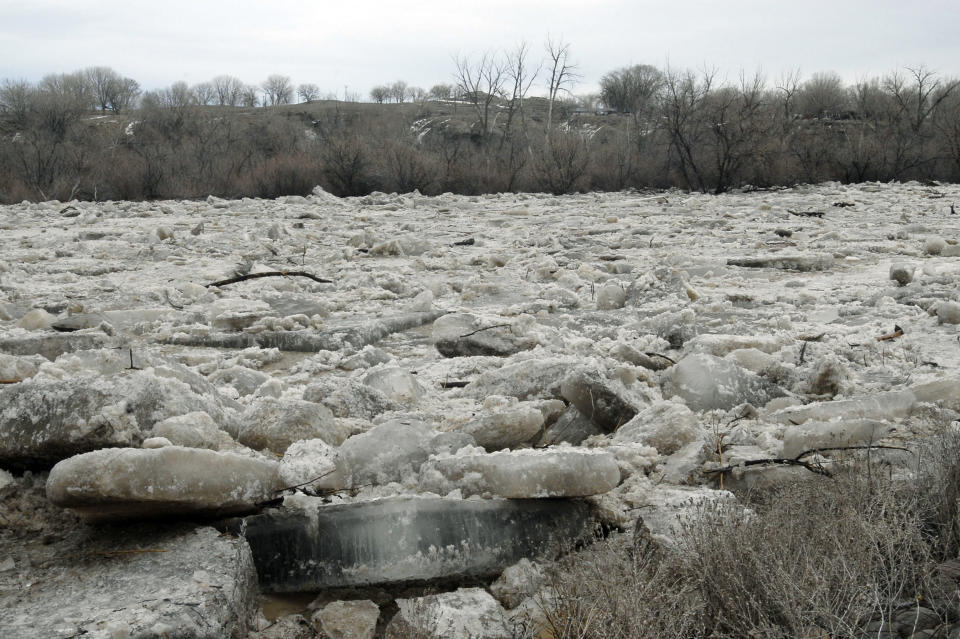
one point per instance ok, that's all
(361, 43)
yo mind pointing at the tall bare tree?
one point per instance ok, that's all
(482, 84)
(277, 89)
(562, 73)
(229, 90)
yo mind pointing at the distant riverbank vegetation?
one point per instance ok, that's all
(505, 121)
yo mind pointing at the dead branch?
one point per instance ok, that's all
(10, 381)
(456, 383)
(897, 332)
(798, 460)
(280, 490)
(484, 329)
(659, 355)
(806, 213)
(253, 276)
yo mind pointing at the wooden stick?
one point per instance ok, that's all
(798, 460)
(253, 276)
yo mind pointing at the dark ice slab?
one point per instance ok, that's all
(406, 539)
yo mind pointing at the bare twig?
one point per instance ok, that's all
(280, 490)
(659, 355)
(487, 328)
(253, 276)
(798, 460)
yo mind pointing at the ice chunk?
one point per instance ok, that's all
(554, 472)
(572, 427)
(348, 619)
(800, 263)
(386, 452)
(706, 382)
(721, 344)
(948, 312)
(627, 353)
(840, 432)
(668, 508)
(350, 398)
(173, 480)
(519, 581)
(193, 430)
(396, 384)
(892, 405)
(52, 345)
(37, 319)
(245, 380)
(137, 581)
(506, 425)
(667, 426)
(934, 245)
(402, 246)
(402, 539)
(611, 296)
(529, 379)
(464, 335)
(310, 460)
(467, 613)
(44, 422)
(608, 403)
(944, 392)
(275, 424)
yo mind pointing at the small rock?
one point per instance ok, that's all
(901, 273)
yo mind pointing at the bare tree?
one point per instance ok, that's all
(15, 100)
(441, 91)
(631, 88)
(822, 96)
(277, 89)
(123, 94)
(204, 93)
(415, 94)
(920, 98)
(562, 74)
(100, 80)
(398, 91)
(308, 92)
(250, 96)
(682, 106)
(521, 78)
(229, 90)
(380, 94)
(482, 84)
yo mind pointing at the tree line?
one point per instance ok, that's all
(508, 121)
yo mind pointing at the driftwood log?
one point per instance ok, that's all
(253, 276)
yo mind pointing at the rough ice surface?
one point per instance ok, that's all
(349, 619)
(793, 323)
(556, 472)
(519, 581)
(706, 382)
(132, 482)
(144, 580)
(467, 613)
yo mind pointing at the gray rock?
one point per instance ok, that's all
(401, 539)
(518, 582)
(607, 403)
(465, 335)
(140, 581)
(274, 424)
(901, 273)
(706, 382)
(119, 483)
